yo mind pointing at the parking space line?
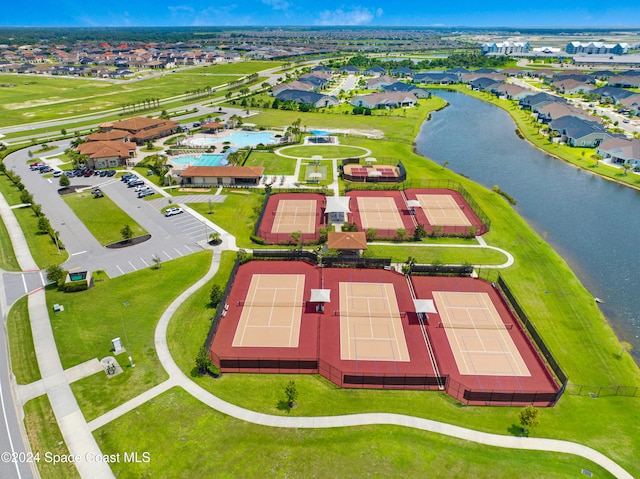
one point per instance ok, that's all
(134, 268)
(24, 282)
(190, 250)
(176, 250)
(145, 263)
(167, 255)
(79, 252)
(119, 268)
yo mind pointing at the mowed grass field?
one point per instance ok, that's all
(273, 164)
(102, 217)
(338, 151)
(39, 98)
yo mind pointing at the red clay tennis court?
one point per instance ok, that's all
(287, 213)
(384, 211)
(368, 333)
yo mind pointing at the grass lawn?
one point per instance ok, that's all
(325, 166)
(102, 217)
(82, 334)
(8, 260)
(45, 437)
(174, 428)
(237, 214)
(24, 364)
(273, 164)
(338, 151)
(424, 254)
(42, 247)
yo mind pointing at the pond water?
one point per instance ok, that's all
(591, 222)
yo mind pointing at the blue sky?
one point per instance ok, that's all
(291, 12)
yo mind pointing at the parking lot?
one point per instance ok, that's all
(171, 237)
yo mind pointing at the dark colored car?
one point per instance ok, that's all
(111, 173)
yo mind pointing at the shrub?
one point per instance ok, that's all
(256, 239)
(55, 273)
(76, 286)
(204, 365)
(64, 181)
(215, 296)
(25, 197)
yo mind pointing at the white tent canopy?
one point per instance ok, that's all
(375, 173)
(337, 204)
(320, 296)
(424, 306)
(315, 175)
(414, 204)
(370, 160)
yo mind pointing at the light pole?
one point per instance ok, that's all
(126, 338)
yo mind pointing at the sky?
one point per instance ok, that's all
(591, 13)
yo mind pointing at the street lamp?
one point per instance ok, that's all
(126, 338)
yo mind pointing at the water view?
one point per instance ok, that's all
(588, 220)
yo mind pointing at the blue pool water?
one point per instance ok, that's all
(202, 160)
(240, 139)
(321, 132)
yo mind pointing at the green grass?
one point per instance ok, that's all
(8, 260)
(45, 437)
(174, 428)
(324, 151)
(9, 191)
(42, 247)
(327, 180)
(444, 255)
(273, 164)
(237, 214)
(24, 364)
(81, 333)
(102, 217)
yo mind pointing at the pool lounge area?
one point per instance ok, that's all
(236, 139)
(205, 159)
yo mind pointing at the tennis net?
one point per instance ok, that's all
(367, 314)
(507, 326)
(268, 304)
(294, 213)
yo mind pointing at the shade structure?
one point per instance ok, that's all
(320, 296)
(337, 204)
(375, 173)
(424, 306)
(316, 157)
(414, 204)
(315, 175)
(370, 160)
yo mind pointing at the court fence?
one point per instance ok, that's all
(440, 270)
(262, 211)
(603, 391)
(355, 262)
(215, 324)
(286, 255)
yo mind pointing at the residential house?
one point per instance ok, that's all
(572, 87)
(435, 78)
(386, 100)
(375, 71)
(511, 72)
(407, 87)
(318, 81)
(107, 154)
(576, 131)
(621, 150)
(402, 72)
(315, 99)
(484, 84)
(379, 82)
(631, 102)
(552, 111)
(533, 102)
(511, 92)
(350, 70)
(208, 176)
(322, 69)
(143, 129)
(626, 81)
(610, 94)
(294, 85)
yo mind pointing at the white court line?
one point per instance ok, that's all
(24, 282)
(145, 263)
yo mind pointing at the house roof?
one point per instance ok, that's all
(386, 98)
(106, 149)
(576, 127)
(294, 85)
(347, 240)
(401, 86)
(380, 81)
(300, 96)
(108, 135)
(558, 110)
(140, 123)
(613, 92)
(224, 171)
(512, 90)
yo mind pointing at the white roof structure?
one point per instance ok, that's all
(320, 296)
(337, 204)
(414, 204)
(425, 306)
(373, 173)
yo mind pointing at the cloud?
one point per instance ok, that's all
(181, 9)
(277, 4)
(352, 16)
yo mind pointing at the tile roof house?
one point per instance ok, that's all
(621, 150)
(207, 176)
(512, 92)
(432, 77)
(294, 85)
(107, 154)
(385, 100)
(308, 98)
(407, 87)
(576, 131)
(553, 111)
(533, 102)
(611, 93)
(572, 87)
(378, 82)
(144, 129)
(374, 71)
(110, 135)
(402, 72)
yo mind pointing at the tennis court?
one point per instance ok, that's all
(443, 210)
(272, 312)
(370, 325)
(479, 339)
(379, 212)
(295, 215)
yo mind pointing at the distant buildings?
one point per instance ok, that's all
(597, 48)
(505, 48)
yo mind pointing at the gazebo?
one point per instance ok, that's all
(350, 241)
(337, 207)
(320, 296)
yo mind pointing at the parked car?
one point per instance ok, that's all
(141, 187)
(111, 173)
(127, 177)
(88, 173)
(143, 193)
(173, 211)
(57, 173)
(135, 182)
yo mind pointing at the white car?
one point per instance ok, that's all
(173, 211)
(141, 188)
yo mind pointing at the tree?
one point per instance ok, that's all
(126, 232)
(64, 181)
(296, 239)
(157, 261)
(419, 233)
(204, 365)
(596, 157)
(215, 296)
(43, 224)
(25, 197)
(63, 132)
(529, 417)
(292, 393)
(55, 273)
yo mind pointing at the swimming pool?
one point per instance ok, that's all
(237, 138)
(321, 132)
(202, 160)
